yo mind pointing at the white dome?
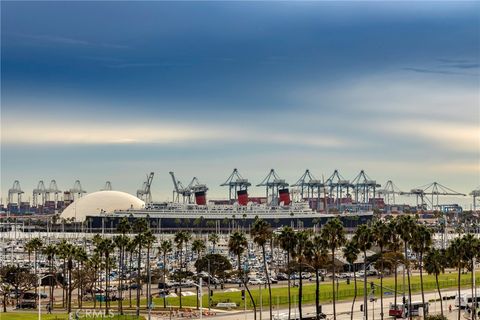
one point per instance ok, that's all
(101, 201)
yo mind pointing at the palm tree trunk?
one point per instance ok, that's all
(439, 294)
(421, 285)
(474, 301)
(120, 291)
(149, 302)
(458, 287)
(333, 284)
(300, 291)
(365, 301)
(180, 279)
(107, 267)
(289, 294)
(409, 286)
(130, 280)
(69, 286)
(381, 283)
(355, 292)
(242, 277)
(317, 294)
(164, 270)
(139, 263)
(396, 285)
(267, 275)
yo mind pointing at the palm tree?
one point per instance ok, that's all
(95, 262)
(123, 227)
(198, 246)
(350, 252)
(364, 238)
(288, 242)
(262, 233)
(237, 245)
(472, 250)
(181, 238)
(334, 236)
(382, 236)
(435, 264)
(139, 227)
(165, 248)
(406, 228)
(62, 249)
(394, 246)
(456, 257)
(35, 245)
(422, 240)
(302, 240)
(131, 249)
(316, 254)
(50, 251)
(121, 243)
(213, 238)
(81, 256)
(106, 247)
(149, 240)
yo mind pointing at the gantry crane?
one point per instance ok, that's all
(107, 186)
(52, 190)
(338, 186)
(180, 190)
(235, 182)
(77, 190)
(273, 184)
(434, 190)
(15, 191)
(476, 196)
(364, 188)
(388, 192)
(39, 194)
(310, 187)
(145, 193)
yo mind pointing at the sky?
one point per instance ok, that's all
(101, 91)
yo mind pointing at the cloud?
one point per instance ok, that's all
(54, 39)
(163, 133)
(436, 71)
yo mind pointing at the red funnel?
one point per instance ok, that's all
(200, 198)
(242, 197)
(284, 196)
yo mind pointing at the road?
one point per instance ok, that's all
(343, 309)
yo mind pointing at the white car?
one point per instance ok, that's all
(255, 281)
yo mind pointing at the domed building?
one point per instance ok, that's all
(101, 201)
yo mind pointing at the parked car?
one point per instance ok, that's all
(255, 281)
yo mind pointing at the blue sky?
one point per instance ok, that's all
(102, 91)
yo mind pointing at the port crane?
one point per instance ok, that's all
(434, 190)
(180, 190)
(145, 193)
(388, 192)
(17, 191)
(273, 183)
(235, 182)
(77, 190)
(364, 188)
(310, 185)
(339, 186)
(39, 194)
(107, 186)
(52, 190)
(476, 196)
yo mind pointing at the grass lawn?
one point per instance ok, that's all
(345, 291)
(280, 294)
(56, 316)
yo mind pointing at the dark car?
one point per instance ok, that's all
(26, 305)
(135, 286)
